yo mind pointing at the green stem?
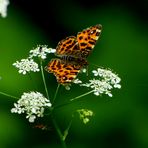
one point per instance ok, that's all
(67, 130)
(55, 95)
(2, 93)
(74, 99)
(59, 133)
(43, 77)
(53, 120)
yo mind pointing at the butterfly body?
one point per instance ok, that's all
(72, 53)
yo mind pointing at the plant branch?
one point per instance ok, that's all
(59, 133)
(67, 130)
(55, 95)
(43, 77)
(2, 93)
(73, 99)
(85, 94)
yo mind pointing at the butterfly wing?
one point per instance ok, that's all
(79, 46)
(68, 47)
(87, 39)
(65, 72)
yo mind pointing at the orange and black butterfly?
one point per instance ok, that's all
(72, 52)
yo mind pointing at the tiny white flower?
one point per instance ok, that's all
(17, 109)
(33, 104)
(95, 73)
(117, 86)
(41, 51)
(67, 87)
(77, 81)
(96, 93)
(83, 70)
(31, 118)
(33, 110)
(26, 65)
(109, 94)
(3, 7)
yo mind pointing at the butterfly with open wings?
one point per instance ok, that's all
(72, 53)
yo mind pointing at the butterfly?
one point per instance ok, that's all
(72, 53)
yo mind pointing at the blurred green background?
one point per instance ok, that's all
(120, 121)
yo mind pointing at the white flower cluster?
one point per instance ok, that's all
(108, 76)
(41, 51)
(85, 114)
(102, 83)
(26, 65)
(3, 7)
(33, 104)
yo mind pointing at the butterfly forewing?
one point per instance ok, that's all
(67, 46)
(87, 39)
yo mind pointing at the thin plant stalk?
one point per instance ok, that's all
(43, 77)
(55, 95)
(85, 94)
(53, 120)
(74, 99)
(59, 133)
(7, 95)
(67, 130)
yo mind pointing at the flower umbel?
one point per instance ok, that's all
(33, 104)
(104, 81)
(85, 114)
(108, 76)
(26, 65)
(41, 51)
(3, 7)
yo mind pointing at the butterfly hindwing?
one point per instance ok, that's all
(64, 72)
